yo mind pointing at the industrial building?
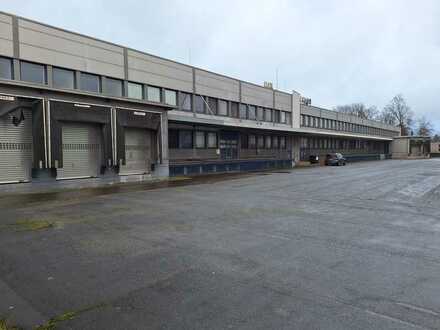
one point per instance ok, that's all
(72, 106)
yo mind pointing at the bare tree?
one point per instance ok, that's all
(398, 113)
(424, 127)
(359, 109)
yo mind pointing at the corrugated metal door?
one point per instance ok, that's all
(82, 151)
(137, 151)
(16, 148)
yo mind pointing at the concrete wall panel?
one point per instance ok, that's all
(160, 72)
(6, 44)
(283, 101)
(211, 84)
(48, 45)
(256, 95)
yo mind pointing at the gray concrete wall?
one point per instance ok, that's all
(6, 43)
(256, 95)
(214, 85)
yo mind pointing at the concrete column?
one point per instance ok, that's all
(162, 168)
(296, 109)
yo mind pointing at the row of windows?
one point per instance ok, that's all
(214, 106)
(252, 141)
(338, 144)
(188, 139)
(67, 79)
(318, 122)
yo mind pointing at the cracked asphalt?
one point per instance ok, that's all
(353, 247)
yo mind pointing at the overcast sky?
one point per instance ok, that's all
(333, 51)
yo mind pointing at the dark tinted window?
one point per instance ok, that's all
(113, 87)
(199, 104)
(31, 72)
(5, 68)
(173, 139)
(89, 82)
(244, 141)
(63, 78)
(186, 139)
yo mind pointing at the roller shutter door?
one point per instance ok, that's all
(137, 151)
(82, 151)
(16, 148)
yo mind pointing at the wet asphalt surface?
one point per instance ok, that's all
(355, 247)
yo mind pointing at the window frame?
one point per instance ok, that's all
(43, 66)
(85, 74)
(58, 69)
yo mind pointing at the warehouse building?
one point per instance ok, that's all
(72, 106)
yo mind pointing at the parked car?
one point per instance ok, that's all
(314, 159)
(335, 159)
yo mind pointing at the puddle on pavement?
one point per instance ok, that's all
(14, 200)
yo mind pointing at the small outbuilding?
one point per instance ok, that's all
(411, 147)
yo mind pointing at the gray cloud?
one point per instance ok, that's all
(334, 51)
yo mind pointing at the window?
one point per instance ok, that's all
(113, 87)
(283, 117)
(200, 104)
(63, 78)
(303, 120)
(173, 139)
(260, 114)
(5, 68)
(243, 111)
(268, 142)
(234, 109)
(252, 112)
(282, 142)
(244, 141)
(153, 94)
(212, 140)
(89, 82)
(275, 142)
(252, 141)
(212, 102)
(34, 73)
(222, 108)
(288, 118)
(268, 115)
(134, 91)
(185, 139)
(185, 101)
(276, 116)
(170, 97)
(200, 139)
(260, 141)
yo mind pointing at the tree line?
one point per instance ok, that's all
(396, 113)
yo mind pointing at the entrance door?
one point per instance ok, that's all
(16, 147)
(137, 151)
(229, 145)
(82, 151)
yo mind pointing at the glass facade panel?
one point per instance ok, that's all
(185, 101)
(63, 78)
(5, 68)
(34, 73)
(113, 87)
(212, 102)
(153, 94)
(260, 114)
(212, 140)
(252, 141)
(134, 91)
(222, 108)
(186, 139)
(252, 112)
(234, 109)
(200, 104)
(200, 139)
(170, 97)
(90, 82)
(260, 141)
(243, 111)
(268, 115)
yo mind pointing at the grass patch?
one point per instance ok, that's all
(33, 225)
(54, 321)
(4, 325)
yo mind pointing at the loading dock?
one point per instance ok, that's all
(138, 151)
(81, 139)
